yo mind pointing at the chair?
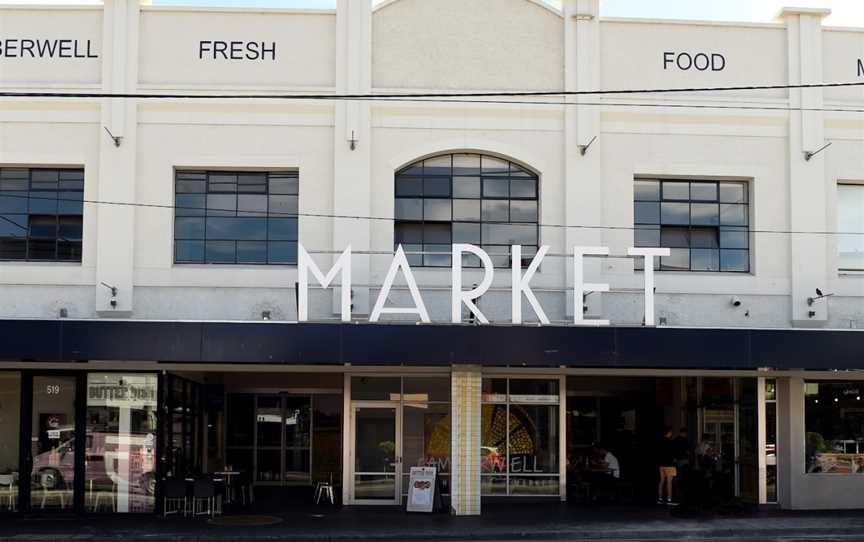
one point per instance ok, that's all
(48, 481)
(174, 494)
(221, 491)
(203, 494)
(244, 486)
(324, 490)
(108, 462)
(9, 490)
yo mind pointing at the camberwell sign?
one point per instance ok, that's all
(521, 286)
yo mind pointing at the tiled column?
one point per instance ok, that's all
(465, 441)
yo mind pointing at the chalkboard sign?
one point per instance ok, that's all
(424, 494)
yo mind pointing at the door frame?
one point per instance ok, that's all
(352, 430)
(25, 456)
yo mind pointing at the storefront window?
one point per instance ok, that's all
(426, 427)
(10, 403)
(834, 426)
(120, 469)
(519, 439)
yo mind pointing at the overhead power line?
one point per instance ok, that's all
(412, 95)
(372, 218)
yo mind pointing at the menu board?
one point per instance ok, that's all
(422, 489)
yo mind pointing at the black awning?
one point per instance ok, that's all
(429, 345)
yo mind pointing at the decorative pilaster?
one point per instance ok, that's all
(465, 440)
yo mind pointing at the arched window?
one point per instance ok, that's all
(465, 198)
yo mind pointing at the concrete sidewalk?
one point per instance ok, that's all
(551, 521)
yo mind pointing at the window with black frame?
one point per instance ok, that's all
(41, 214)
(834, 427)
(703, 223)
(236, 217)
(466, 198)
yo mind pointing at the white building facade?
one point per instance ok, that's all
(167, 259)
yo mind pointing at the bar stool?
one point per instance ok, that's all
(324, 490)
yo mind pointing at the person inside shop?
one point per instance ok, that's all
(605, 470)
(705, 467)
(667, 468)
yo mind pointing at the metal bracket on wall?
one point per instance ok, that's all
(584, 148)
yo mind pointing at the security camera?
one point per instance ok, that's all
(736, 302)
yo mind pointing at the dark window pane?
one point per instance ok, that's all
(191, 187)
(284, 206)
(494, 166)
(283, 252)
(676, 190)
(222, 182)
(69, 250)
(436, 255)
(283, 229)
(13, 226)
(496, 188)
(704, 259)
(733, 215)
(436, 187)
(518, 171)
(437, 209)
(523, 188)
(704, 214)
(646, 191)
(43, 203)
(703, 191)
(704, 238)
(189, 204)
(523, 211)
(221, 204)
(409, 209)
(466, 209)
(510, 234)
(43, 227)
(734, 260)
(466, 187)
(466, 233)
(42, 249)
(436, 233)
(499, 254)
(251, 252)
(13, 202)
(414, 169)
(409, 186)
(466, 164)
(14, 179)
(674, 238)
(243, 229)
(44, 179)
(13, 249)
(253, 205)
(647, 236)
(733, 238)
(189, 228)
(438, 166)
(252, 182)
(288, 185)
(675, 213)
(646, 213)
(220, 252)
(413, 253)
(408, 233)
(496, 211)
(678, 260)
(69, 203)
(733, 193)
(70, 228)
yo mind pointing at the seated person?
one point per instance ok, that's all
(604, 459)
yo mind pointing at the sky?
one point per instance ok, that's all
(844, 12)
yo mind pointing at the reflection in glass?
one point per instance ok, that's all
(120, 464)
(375, 453)
(10, 401)
(425, 438)
(53, 446)
(834, 427)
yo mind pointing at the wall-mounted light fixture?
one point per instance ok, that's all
(810, 154)
(584, 148)
(265, 315)
(113, 300)
(117, 139)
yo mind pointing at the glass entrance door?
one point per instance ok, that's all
(377, 463)
(52, 444)
(283, 427)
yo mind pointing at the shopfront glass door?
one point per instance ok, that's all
(52, 443)
(376, 454)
